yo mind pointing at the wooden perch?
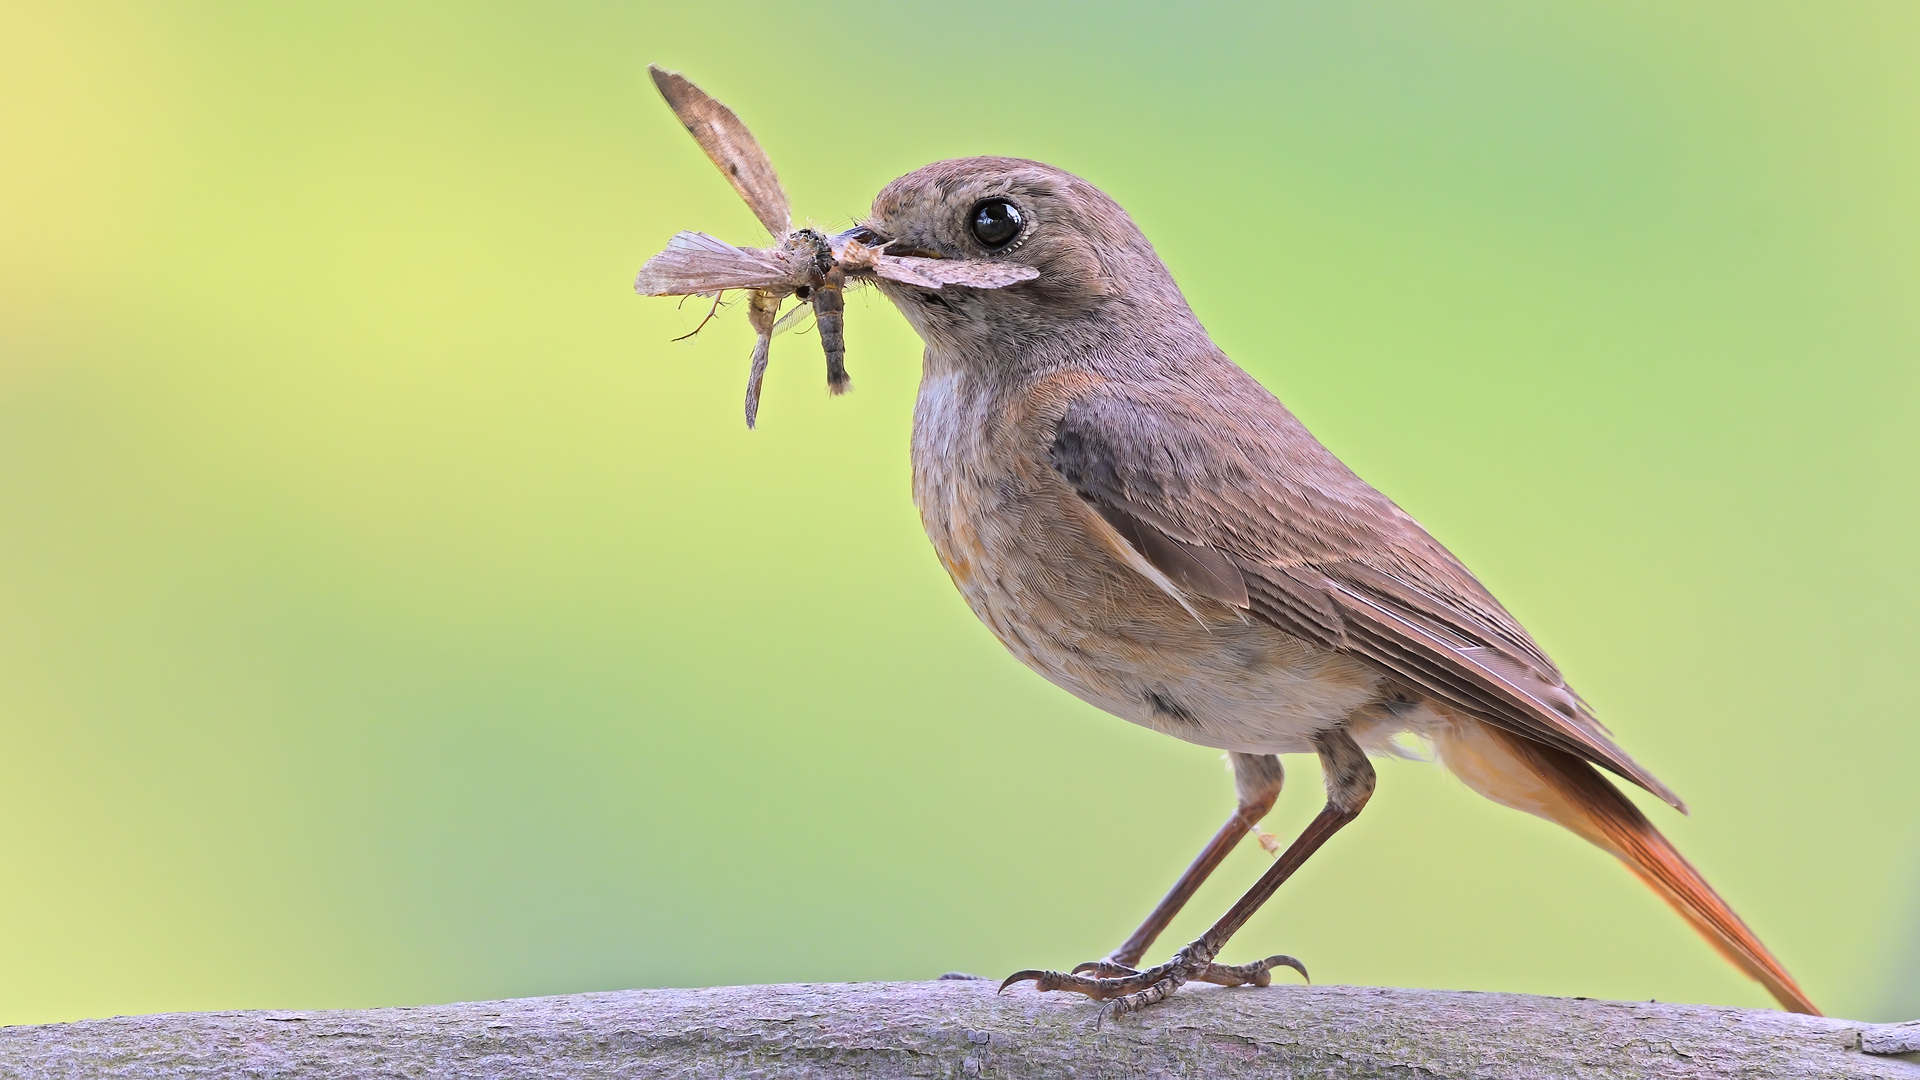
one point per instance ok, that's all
(955, 1028)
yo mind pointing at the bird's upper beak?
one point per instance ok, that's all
(875, 239)
(864, 234)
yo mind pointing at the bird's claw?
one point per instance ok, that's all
(1100, 987)
(1104, 968)
(1258, 973)
(1130, 988)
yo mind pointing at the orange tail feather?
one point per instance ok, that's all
(1555, 785)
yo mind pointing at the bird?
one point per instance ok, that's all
(1148, 527)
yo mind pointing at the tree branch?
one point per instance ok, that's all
(963, 1029)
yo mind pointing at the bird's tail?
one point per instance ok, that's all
(1549, 783)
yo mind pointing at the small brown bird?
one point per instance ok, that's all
(1142, 523)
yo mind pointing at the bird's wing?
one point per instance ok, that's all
(1238, 502)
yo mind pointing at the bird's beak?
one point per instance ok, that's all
(873, 238)
(862, 233)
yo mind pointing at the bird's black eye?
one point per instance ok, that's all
(995, 222)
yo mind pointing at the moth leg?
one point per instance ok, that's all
(711, 312)
(761, 308)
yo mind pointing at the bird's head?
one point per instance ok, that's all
(1094, 265)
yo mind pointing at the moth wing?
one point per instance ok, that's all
(697, 264)
(972, 273)
(896, 268)
(730, 146)
(699, 241)
(794, 317)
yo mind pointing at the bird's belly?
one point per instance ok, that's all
(1229, 685)
(1020, 550)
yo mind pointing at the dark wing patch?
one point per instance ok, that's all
(1251, 510)
(1194, 567)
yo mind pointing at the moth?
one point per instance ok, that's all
(806, 264)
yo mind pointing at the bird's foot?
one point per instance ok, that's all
(1254, 974)
(1132, 988)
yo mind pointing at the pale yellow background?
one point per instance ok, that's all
(389, 612)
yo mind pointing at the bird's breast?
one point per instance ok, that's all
(1029, 557)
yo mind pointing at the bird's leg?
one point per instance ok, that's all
(1350, 781)
(1256, 781)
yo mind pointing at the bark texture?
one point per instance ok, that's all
(963, 1029)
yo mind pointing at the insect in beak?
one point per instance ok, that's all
(916, 253)
(802, 263)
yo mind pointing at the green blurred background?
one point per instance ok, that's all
(390, 613)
